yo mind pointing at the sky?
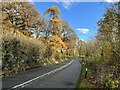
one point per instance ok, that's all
(82, 16)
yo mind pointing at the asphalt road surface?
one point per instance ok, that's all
(46, 77)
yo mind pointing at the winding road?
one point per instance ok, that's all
(64, 75)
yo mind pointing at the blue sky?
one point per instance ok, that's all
(82, 16)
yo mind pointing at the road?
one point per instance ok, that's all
(66, 77)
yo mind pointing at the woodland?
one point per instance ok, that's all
(30, 40)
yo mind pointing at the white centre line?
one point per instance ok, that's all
(53, 71)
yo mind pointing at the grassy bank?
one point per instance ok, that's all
(83, 82)
(98, 76)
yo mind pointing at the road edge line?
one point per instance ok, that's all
(31, 80)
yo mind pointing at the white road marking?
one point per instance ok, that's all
(53, 71)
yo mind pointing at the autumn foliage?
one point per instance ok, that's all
(102, 55)
(30, 40)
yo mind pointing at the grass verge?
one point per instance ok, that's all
(82, 82)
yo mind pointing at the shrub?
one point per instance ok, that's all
(20, 52)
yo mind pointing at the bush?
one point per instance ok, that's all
(20, 53)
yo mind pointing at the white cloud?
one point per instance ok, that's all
(67, 5)
(31, 1)
(112, 0)
(83, 30)
(109, 0)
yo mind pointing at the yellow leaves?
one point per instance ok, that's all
(56, 20)
(52, 9)
(107, 49)
(57, 42)
(22, 15)
(37, 32)
(27, 33)
(57, 26)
